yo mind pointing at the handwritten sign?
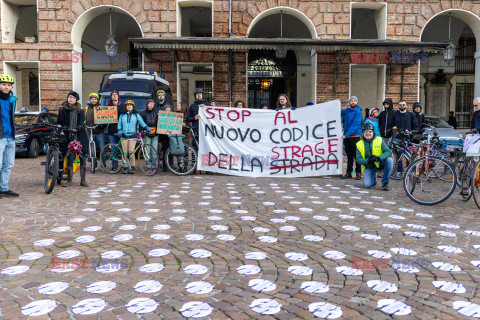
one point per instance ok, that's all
(265, 143)
(169, 122)
(105, 115)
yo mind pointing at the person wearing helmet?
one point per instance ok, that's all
(161, 101)
(99, 132)
(72, 116)
(7, 134)
(373, 154)
(128, 123)
(112, 128)
(192, 115)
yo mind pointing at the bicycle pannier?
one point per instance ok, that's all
(176, 144)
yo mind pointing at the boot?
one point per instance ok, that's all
(83, 170)
(69, 177)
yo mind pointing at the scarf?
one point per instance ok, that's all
(4, 96)
(72, 115)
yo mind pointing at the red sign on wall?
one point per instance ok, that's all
(369, 57)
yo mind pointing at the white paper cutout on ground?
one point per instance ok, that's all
(265, 306)
(467, 308)
(325, 310)
(195, 269)
(334, 254)
(141, 305)
(373, 237)
(296, 256)
(349, 271)
(404, 268)
(196, 309)
(313, 238)
(11, 271)
(113, 219)
(333, 209)
(199, 287)
(278, 220)
(248, 218)
(225, 237)
(450, 249)
(194, 237)
(267, 239)
(446, 234)
(323, 218)
(114, 254)
(124, 210)
(53, 287)
(89, 210)
(123, 237)
(160, 236)
(151, 267)
(445, 266)
(260, 229)
(43, 242)
(84, 239)
(128, 227)
(152, 210)
(92, 228)
(450, 226)
(350, 228)
(200, 253)
(450, 287)
(371, 216)
(416, 226)
(158, 252)
(379, 254)
(30, 256)
(314, 287)
(177, 218)
(346, 216)
(404, 251)
(288, 228)
(68, 254)
(60, 229)
(394, 307)
(300, 270)
(109, 267)
(424, 215)
(89, 306)
(148, 286)
(262, 285)
(397, 217)
(382, 286)
(39, 307)
(161, 227)
(391, 226)
(256, 255)
(248, 269)
(219, 227)
(80, 219)
(101, 287)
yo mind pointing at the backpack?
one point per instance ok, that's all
(177, 148)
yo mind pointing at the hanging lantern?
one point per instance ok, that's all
(111, 46)
(449, 53)
(265, 84)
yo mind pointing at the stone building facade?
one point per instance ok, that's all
(54, 46)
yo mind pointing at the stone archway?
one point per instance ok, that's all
(89, 34)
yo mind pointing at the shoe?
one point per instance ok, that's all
(9, 193)
(69, 177)
(347, 176)
(125, 170)
(374, 184)
(132, 171)
(385, 187)
(83, 182)
(358, 176)
(398, 175)
(114, 168)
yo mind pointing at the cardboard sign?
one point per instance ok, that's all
(169, 122)
(105, 115)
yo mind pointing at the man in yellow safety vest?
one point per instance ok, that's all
(373, 154)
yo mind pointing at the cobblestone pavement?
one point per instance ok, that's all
(220, 247)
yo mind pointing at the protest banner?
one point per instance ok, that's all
(169, 122)
(266, 143)
(105, 115)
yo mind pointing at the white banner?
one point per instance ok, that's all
(265, 143)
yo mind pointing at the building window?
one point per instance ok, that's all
(464, 58)
(195, 20)
(193, 76)
(463, 105)
(19, 21)
(134, 58)
(368, 20)
(27, 86)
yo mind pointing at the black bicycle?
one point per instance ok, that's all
(185, 163)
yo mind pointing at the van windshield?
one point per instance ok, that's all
(139, 99)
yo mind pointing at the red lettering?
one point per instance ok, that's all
(383, 57)
(295, 151)
(356, 262)
(245, 113)
(319, 149)
(208, 110)
(235, 112)
(290, 120)
(273, 151)
(331, 145)
(280, 115)
(56, 56)
(85, 57)
(223, 159)
(75, 57)
(204, 160)
(356, 56)
(219, 113)
(234, 161)
(285, 151)
(306, 149)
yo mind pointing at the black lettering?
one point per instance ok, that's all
(230, 165)
(332, 156)
(213, 131)
(319, 162)
(256, 163)
(258, 133)
(314, 130)
(210, 164)
(271, 136)
(243, 164)
(242, 138)
(307, 162)
(294, 166)
(295, 138)
(329, 128)
(234, 131)
(289, 133)
(221, 159)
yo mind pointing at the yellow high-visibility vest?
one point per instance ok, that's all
(376, 149)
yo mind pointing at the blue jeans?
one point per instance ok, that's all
(100, 142)
(7, 159)
(153, 141)
(114, 139)
(370, 175)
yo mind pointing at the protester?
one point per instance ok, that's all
(192, 115)
(72, 116)
(419, 116)
(475, 122)
(264, 106)
(128, 123)
(213, 103)
(150, 117)
(373, 119)
(239, 104)
(352, 128)
(373, 154)
(283, 103)
(161, 101)
(112, 128)
(404, 120)
(99, 132)
(452, 120)
(7, 134)
(367, 113)
(385, 120)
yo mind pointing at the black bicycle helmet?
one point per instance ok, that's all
(368, 126)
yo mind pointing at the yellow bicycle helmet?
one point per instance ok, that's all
(93, 94)
(130, 102)
(6, 78)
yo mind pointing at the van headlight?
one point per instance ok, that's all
(21, 137)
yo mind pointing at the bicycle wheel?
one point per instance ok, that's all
(51, 171)
(147, 162)
(92, 156)
(113, 156)
(422, 184)
(459, 165)
(404, 160)
(184, 164)
(476, 184)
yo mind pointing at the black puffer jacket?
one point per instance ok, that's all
(385, 121)
(64, 120)
(151, 118)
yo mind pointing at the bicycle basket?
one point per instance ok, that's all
(53, 138)
(177, 148)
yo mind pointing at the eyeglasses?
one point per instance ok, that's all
(402, 105)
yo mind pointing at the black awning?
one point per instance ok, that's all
(296, 44)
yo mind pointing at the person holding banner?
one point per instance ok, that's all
(150, 116)
(475, 122)
(128, 122)
(239, 104)
(284, 103)
(373, 154)
(192, 115)
(99, 132)
(352, 129)
(112, 128)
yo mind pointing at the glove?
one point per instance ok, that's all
(371, 160)
(375, 159)
(293, 108)
(149, 130)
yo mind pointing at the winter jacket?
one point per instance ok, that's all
(386, 153)
(192, 112)
(112, 128)
(420, 117)
(374, 121)
(90, 119)
(64, 120)
(151, 119)
(352, 121)
(475, 122)
(9, 106)
(129, 122)
(385, 120)
(452, 121)
(405, 121)
(162, 106)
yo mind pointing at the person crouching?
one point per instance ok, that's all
(373, 154)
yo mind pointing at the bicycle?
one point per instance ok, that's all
(429, 179)
(185, 163)
(114, 153)
(55, 144)
(92, 150)
(403, 151)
